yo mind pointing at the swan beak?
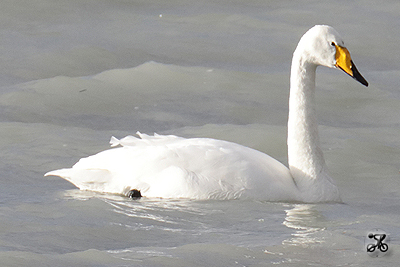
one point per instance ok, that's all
(344, 62)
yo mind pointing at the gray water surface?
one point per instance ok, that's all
(74, 73)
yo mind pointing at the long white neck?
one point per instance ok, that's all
(305, 157)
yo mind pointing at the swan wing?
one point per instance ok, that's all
(175, 167)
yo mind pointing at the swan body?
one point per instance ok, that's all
(201, 168)
(158, 166)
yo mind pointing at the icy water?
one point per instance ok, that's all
(74, 73)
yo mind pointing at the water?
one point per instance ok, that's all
(74, 73)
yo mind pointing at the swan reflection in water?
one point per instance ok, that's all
(307, 222)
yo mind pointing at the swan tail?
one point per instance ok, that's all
(87, 179)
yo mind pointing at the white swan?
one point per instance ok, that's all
(200, 168)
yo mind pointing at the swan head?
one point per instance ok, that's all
(322, 45)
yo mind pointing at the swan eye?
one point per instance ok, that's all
(333, 44)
